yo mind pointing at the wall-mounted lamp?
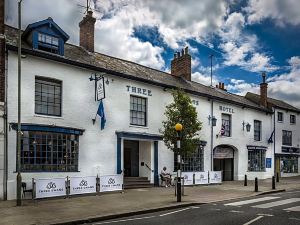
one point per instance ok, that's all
(107, 81)
(213, 120)
(247, 125)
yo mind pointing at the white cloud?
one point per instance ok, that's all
(204, 79)
(282, 11)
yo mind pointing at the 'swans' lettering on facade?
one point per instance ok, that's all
(137, 90)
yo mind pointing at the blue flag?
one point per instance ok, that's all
(101, 113)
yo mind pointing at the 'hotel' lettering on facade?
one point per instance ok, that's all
(226, 109)
(141, 91)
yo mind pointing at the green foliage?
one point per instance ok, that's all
(181, 110)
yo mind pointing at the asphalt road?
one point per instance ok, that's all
(276, 209)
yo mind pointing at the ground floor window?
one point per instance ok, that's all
(47, 151)
(191, 162)
(256, 160)
(289, 164)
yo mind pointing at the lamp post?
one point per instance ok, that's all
(19, 178)
(178, 128)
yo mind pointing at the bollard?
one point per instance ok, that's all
(256, 185)
(245, 181)
(277, 177)
(273, 182)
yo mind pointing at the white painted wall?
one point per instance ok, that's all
(98, 149)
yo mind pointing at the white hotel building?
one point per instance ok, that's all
(58, 104)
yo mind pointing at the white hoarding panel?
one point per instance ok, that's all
(111, 183)
(201, 177)
(82, 185)
(188, 178)
(46, 188)
(215, 177)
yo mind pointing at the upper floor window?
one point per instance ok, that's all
(287, 137)
(292, 119)
(226, 125)
(279, 116)
(48, 43)
(257, 130)
(138, 111)
(48, 96)
(48, 151)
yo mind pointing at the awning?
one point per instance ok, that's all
(138, 135)
(47, 128)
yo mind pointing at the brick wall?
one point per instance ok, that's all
(2, 53)
(87, 30)
(181, 65)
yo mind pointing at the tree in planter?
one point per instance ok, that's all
(181, 110)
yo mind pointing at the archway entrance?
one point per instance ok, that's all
(224, 161)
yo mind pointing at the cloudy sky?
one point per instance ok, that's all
(246, 37)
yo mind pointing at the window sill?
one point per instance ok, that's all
(279, 121)
(255, 171)
(48, 116)
(137, 126)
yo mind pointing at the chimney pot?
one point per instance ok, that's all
(178, 54)
(175, 55)
(186, 50)
(182, 52)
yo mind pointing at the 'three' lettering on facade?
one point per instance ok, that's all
(137, 90)
(226, 109)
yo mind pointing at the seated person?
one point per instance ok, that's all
(166, 176)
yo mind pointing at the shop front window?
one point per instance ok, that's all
(47, 151)
(191, 162)
(256, 160)
(289, 164)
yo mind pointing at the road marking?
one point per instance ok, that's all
(131, 219)
(215, 209)
(252, 221)
(174, 212)
(292, 218)
(277, 203)
(294, 209)
(262, 214)
(195, 207)
(235, 211)
(251, 201)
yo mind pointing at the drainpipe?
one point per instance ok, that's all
(211, 134)
(274, 143)
(5, 176)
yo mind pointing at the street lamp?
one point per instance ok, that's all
(178, 128)
(19, 178)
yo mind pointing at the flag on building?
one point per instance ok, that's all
(101, 113)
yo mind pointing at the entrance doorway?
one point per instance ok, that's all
(131, 158)
(224, 161)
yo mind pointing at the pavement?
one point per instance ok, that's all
(84, 209)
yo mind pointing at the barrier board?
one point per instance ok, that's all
(82, 185)
(111, 183)
(53, 187)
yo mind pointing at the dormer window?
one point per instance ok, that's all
(48, 43)
(46, 36)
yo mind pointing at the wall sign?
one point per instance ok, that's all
(111, 183)
(226, 109)
(188, 178)
(137, 90)
(82, 185)
(215, 177)
(201, 177)
(46, 188)
(268, 162)
(100, 89)
(195, 102)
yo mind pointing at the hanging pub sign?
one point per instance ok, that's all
(99, 86)
(82, 185)
(53, 187)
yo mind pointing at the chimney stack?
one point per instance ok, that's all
(181, 65)
(2, 52)
(221, 86)
(87, 30)
(264, 91)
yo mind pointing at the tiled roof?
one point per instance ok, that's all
(271, 102)
(76, 54)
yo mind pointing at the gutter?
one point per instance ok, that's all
(123, 75)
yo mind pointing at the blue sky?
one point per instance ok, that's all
(246, 37)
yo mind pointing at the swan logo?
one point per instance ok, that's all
(111, 181)
(51, 185)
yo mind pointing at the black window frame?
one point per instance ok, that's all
(287, 137)
(292, 121)
(138, 107)
(191, 162)
(227, 125)
(280, 116)
(257, 160)
(257, 130)
(43, 151)
(43, 96)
